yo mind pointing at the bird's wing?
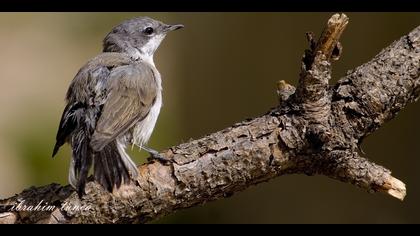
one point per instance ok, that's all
(67, 125)
(82, 90)
(132, 93)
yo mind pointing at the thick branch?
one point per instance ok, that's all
(281, 142)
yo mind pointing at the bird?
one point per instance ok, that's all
(113, 102)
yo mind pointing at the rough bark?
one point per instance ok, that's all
(317, 129)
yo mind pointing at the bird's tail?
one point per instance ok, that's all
(111, 166)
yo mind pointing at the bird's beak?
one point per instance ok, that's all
(169, 28)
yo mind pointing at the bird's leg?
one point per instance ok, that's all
(155, 154)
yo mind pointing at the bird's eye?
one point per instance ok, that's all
(148, 30)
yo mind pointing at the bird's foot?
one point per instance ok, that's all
(155, 155)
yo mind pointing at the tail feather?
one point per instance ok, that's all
(127, 162)
(84, 170)
(101, 171)
(111, 166)
(81, 163)
(116, 172)
(99, 174)
(104, 156)
(72, 174)
(125, 175)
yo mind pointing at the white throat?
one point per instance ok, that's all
(147, 51)
(146, 57)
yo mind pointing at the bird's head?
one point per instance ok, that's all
(141, 35)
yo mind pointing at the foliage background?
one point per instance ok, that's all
(220, 69)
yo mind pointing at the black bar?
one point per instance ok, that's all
(212, 5)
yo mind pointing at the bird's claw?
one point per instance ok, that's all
(155, 155)
(159, 158)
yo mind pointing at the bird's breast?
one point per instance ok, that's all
(144, 128)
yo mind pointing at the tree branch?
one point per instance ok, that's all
(317, 129)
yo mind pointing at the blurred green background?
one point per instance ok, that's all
(220, 69)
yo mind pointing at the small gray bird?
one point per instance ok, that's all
(114, 101)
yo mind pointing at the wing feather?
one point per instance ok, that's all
(132, 93)
(84, 83)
